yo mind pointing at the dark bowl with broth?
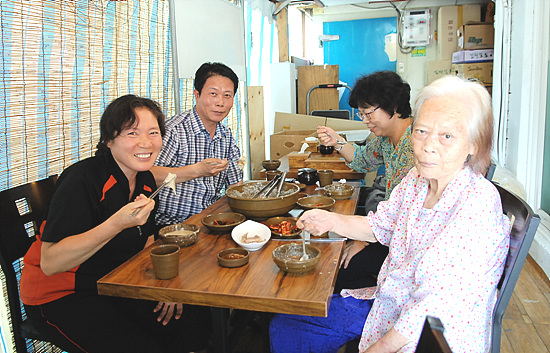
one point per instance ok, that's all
(180, 234)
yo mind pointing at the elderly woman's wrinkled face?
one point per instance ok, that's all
(440, 139)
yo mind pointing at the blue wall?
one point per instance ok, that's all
(360, 49)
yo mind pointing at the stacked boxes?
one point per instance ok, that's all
(472, 45)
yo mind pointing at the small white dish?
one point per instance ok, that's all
(251, 228)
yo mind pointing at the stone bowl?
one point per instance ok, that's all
(233, 257)
(223, 222)
(271, 164)
(316, 201)
(339, 191)
(272, 222)
(180, 234)
(287, 257)
(239, 198)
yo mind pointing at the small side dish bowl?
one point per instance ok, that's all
(271, 164)
(233, 257)
(223, 222)
(339, 191)
(275, 224)
(287, 257)
(180, 234)
(251, 235)
(316, 201)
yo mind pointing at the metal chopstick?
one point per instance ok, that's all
(264, 188)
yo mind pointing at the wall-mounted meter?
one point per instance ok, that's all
(416, 27)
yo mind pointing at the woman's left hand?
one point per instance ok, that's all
(350, 250)
(167, 311)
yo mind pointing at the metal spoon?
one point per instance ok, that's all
(337, 141)
(305, 256)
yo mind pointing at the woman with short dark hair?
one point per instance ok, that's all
(90, 230)
(382, 99)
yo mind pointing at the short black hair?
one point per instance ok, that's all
(120, 113)
(214, 69)
(384, 89)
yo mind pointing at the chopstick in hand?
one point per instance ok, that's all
(170, 178)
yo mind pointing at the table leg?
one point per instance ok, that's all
(219, 329)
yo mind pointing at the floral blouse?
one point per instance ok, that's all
(380, 151)
(444, 262)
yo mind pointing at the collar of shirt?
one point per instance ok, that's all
(453, 191)
(198, 127)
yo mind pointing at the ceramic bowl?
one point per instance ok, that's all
(316, 201)
(253, 231)
(339, 191)
(180, 234)
(273, 222)
(223, 222)
(239, 198)
(271, 164)
(287, 257)
(234, 257)
(270, 174)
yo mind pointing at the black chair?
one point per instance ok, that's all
(432, 339)
(491, 171)
(525, 223)
(21, 211)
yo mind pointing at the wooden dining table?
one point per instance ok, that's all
(258, 286)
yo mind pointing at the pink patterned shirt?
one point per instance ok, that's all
(445, 262)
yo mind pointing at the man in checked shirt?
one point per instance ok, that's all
(198, 148)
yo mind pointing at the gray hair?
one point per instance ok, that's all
(476, 102)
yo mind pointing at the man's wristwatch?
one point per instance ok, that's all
(338, 149)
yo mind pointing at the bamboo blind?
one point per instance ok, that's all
(62, 63)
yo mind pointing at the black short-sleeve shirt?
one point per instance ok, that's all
(87, 193)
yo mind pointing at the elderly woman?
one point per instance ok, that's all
(383, 101)
(446, 232)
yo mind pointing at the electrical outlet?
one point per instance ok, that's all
(400, 67)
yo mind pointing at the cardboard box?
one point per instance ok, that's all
(481, 72)
(476, 36)
(284, 142)
(449, 19)
(289, 122)
(437, 69)
(473, 56)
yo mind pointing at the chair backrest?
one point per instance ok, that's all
(491, 171)
(521, 237)
(21, 212)
(432, 339)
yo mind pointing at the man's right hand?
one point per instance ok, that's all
(211, 166)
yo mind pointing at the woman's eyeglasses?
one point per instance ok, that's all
(368, 114)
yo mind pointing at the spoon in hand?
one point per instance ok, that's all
(305, 256)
